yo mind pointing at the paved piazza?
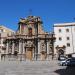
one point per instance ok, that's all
(32, 68)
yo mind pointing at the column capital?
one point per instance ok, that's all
(23, 41)
(13, 41)
(38, 40)
(20, 40)
(47, 40)
(7, 41)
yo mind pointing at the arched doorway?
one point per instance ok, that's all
(61, 52)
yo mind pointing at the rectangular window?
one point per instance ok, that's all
(30, 32)
(1, 30)
(67, 30)
(68, 38)
(59, 30)
(60, 38)
(22, 28)
(68, 44)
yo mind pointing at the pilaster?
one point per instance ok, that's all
(39, 46)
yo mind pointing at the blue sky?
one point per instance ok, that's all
(50, 11)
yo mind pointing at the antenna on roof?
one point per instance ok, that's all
(74, 18)
(30, 12)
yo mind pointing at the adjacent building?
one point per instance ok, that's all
(4, 33)
(65, 38)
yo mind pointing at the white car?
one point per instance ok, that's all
(62, 62)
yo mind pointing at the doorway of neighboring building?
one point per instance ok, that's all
(61, 52)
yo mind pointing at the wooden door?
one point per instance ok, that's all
(29, 54)
(43, 56)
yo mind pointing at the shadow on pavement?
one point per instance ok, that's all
(70, 70)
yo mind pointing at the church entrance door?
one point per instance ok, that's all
(29, 54)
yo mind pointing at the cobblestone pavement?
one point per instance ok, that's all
(29, 67)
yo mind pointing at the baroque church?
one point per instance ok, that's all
(30, 42)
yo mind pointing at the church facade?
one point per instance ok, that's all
(30, 42)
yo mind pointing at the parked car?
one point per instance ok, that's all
(62, 61)
(61, 57)
(70, 62)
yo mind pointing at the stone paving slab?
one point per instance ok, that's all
(28, 67)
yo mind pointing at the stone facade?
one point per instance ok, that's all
(30, 40)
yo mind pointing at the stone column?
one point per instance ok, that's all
(20, 45)
(39, 46)
(23, 47)
(47, 47)
(13, 45)
(0, 54)
(7, 47)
